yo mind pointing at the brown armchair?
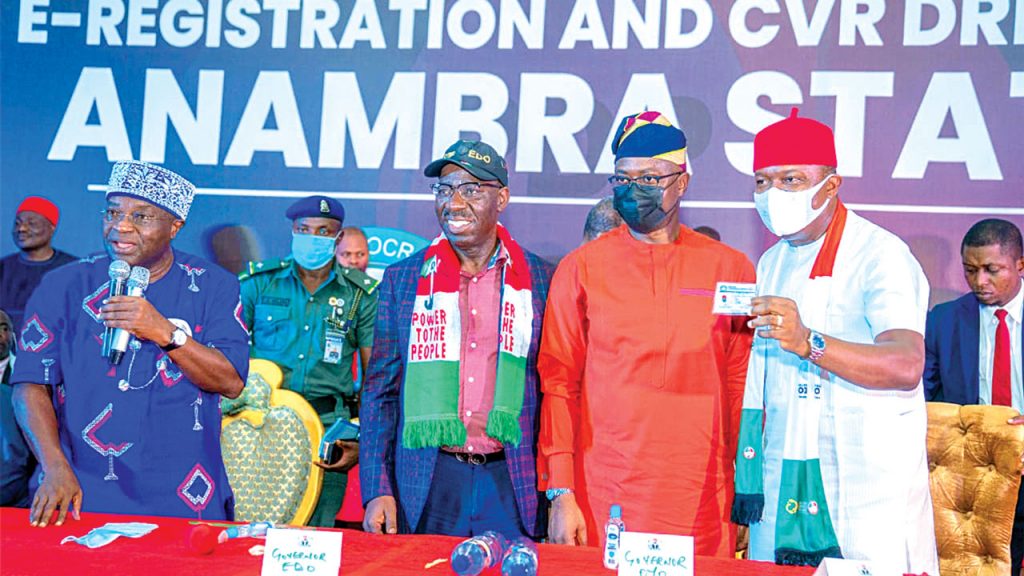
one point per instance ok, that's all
(974, 459)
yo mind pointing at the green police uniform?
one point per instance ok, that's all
(312, 337)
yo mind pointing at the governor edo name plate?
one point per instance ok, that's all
(646, 554)
(291, 551)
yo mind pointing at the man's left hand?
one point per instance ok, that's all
(349, 457)
(137, 316)
(779, 318)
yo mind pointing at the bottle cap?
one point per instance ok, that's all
(616, 511)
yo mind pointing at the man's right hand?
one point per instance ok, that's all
(59, 491)
(381, 516)
(566, 524)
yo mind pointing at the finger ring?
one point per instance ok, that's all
(777, 320)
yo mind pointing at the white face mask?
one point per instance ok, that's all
(784, 212)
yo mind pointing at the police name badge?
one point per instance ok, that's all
(733, 298)
(334, 341)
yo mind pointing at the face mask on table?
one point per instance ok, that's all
(98, 537)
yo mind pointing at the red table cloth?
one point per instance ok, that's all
(37, 551)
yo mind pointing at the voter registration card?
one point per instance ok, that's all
(733, 298)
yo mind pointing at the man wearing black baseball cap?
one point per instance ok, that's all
(473, 156)
(451, 396)
(309, 315)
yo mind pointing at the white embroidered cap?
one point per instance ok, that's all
(152, 183)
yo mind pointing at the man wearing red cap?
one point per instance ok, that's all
(34, 224)
(642, 383)
(840, 467)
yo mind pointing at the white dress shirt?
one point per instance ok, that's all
(987, 347)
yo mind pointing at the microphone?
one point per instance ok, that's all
(118, 272)
(138, 281)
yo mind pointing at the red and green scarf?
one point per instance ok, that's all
(431, 390)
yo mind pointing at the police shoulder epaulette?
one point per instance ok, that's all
(254, 268)
(360, 279)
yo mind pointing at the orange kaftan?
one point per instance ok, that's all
(643, 385)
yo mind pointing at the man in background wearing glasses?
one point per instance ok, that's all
(450, 403)
(138, 434)
(642, 383)
(309, 315)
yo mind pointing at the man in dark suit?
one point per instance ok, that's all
(973, 344)
(17, 462)
(451, 399)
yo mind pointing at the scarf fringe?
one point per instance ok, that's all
(791, 557)
(447, 431)
(747, 508)
(504, 427)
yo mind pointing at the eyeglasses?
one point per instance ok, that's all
(645, 180)
(138, 219)
(468, 190)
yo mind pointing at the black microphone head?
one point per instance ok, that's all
(139, 278)
(119, 271)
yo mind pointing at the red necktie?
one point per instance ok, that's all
(1001, 395)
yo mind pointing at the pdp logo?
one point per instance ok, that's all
(810, 507)
(749, 453)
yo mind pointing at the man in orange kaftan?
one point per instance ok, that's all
(642, 383)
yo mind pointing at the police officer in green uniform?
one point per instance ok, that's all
(309, 315)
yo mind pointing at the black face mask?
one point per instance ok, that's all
(640, 206)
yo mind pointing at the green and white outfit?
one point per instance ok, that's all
(873, 500)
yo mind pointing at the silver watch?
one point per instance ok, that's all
(817, 342)
(178, 338)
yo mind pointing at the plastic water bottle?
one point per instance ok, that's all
(612, 533)
(474, 555)
(521, 559)
(250, 530)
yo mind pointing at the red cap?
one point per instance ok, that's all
(799, 141)
(40, 206)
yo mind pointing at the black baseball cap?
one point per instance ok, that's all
(477, 158)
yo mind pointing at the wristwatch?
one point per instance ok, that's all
(817, 342)
(178, 338)
(553, 493)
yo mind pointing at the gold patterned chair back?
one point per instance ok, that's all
(974, 463)
(270, 438)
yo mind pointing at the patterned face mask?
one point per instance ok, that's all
(98, 537)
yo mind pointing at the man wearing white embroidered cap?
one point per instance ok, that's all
(140, 436)
(841, 467)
